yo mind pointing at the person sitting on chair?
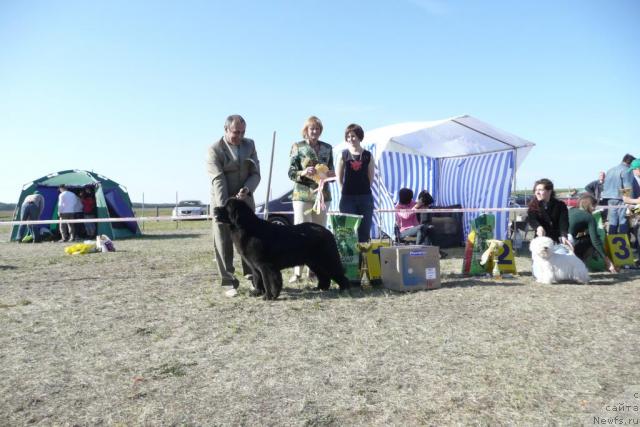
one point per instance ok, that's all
(425, 200)
(407, 220)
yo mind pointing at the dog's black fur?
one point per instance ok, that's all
(268, 248)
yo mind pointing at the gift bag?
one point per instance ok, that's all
(345, 231)
(481, 231)
(104, 244)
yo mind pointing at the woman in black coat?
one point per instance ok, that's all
(547, 215)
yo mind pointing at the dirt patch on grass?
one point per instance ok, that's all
(143, 336)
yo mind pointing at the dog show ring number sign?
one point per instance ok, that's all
(619, 249)
(506, 261)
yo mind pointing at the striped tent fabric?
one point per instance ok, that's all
(460, 161)
(475, 182)
(418, 172)
(472, 182)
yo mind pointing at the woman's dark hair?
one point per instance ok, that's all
(534, 205)
(357, 129)
(425, 198)
(405, 195)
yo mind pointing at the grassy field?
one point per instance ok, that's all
(143, 336)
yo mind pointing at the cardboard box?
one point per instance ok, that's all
(410, 268)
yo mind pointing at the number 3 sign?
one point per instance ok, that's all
(619, 250)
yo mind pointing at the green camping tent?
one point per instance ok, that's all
(112, 201)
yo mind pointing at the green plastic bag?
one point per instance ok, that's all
(345, 230)
(482, 230)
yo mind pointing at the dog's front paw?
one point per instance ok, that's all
(256, 292)
(323, 286)
(545, 279)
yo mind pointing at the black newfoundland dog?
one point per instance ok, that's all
(268, 248)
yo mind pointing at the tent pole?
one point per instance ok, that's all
(515, 169)
(266, 202)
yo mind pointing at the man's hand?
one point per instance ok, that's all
(243, 193)
(540, 231)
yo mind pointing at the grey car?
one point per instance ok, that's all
(280, 209)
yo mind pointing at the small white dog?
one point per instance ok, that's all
(552, 263)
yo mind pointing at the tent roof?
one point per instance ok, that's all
(73, 177)
(453, 137)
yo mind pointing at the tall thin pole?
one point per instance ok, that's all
(515, 169)
(143, 210)
(266, 202)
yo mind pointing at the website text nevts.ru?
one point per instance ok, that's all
(616, 421)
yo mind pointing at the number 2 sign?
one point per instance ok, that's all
(506, 261)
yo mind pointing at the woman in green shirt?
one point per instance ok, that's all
(583, 231)
(304, 157)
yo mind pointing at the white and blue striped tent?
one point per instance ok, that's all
(460, 161)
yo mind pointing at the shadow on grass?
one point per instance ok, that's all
(608, 279)
(461, 281)
(8, 267)
(366, 292)
(312, 293)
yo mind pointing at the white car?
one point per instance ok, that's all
(188, 209)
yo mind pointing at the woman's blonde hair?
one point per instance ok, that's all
(313, 120)
(587, 202)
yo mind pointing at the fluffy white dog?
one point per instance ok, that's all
(552, 263)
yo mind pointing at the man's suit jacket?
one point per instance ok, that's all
(228, 175)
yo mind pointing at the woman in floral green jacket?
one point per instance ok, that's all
(304, 157)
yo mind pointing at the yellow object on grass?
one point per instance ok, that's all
(80, 248)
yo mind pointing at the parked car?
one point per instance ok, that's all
(280, 209)
(520, 200)
(188, 209)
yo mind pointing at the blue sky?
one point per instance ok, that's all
(137, 90)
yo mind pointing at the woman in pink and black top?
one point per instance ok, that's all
(355, 171)
(407, 221)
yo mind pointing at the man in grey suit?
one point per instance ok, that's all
(234, 170)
